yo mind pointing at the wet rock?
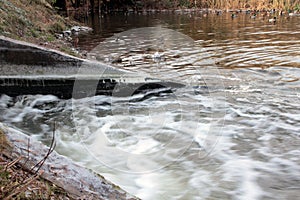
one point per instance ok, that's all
(59, 36)
(117, 60)
(81, 29)
(75, 30)
(157, 57)
(67, 33)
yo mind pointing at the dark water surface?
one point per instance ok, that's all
(232, 133)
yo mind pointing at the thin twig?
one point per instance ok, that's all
(51, 149)
(12, 163)
(23, 187)
(28, 145)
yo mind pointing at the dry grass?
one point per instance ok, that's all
(247, 4)
(213, 4)
(18, 183)
(224, 4)
(33, 21)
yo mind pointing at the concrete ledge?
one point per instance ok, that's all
(29, 69)
(18, 52)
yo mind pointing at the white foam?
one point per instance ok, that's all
(242, 171)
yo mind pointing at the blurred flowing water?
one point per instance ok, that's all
(232, 133)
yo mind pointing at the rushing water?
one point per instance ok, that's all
(232, 133)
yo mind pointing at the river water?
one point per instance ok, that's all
(232, 133)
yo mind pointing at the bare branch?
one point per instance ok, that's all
(51, 149)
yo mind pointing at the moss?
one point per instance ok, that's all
(185, 3)
(34, 21)
(34, 33)
(53, 189)
(51, 1)
(3, 140)
(17, 20)
(56, 27)
(68, 50)
(4, 175)
(297, 7)
(50, 38)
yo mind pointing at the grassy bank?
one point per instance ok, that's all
(34, 21)
(37, 21)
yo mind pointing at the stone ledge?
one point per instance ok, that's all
(29, 69)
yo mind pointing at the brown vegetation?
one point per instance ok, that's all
(250, 4)
(174, 4)
(18, 183)
(34, 21)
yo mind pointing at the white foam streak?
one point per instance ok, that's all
(242, 171)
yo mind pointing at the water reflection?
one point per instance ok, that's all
(195, 25)
(232, 43)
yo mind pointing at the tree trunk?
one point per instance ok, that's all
(92, 5)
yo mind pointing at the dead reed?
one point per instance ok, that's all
(247, 4)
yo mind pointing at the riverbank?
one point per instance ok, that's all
(31, 170)
(36, 22)
(39, 22)
(144, 5)
(20, 176)
(235, 4)
(38, 41)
